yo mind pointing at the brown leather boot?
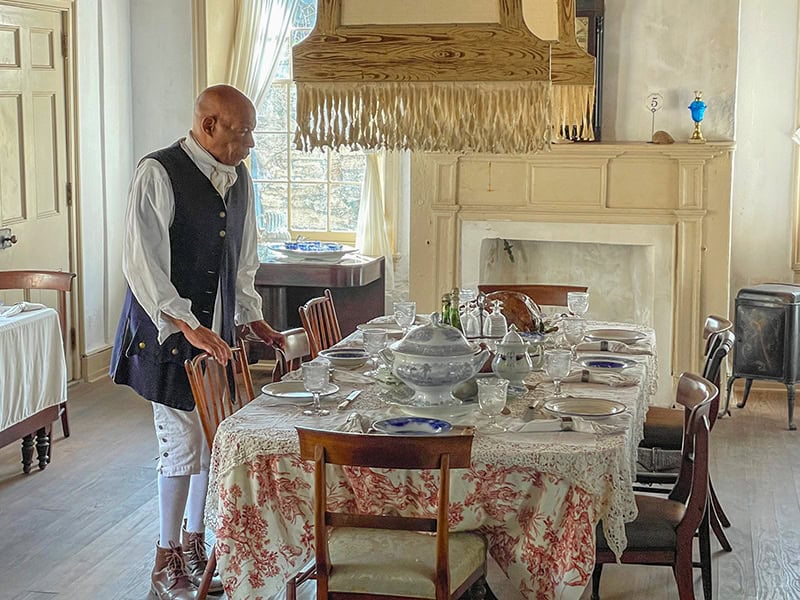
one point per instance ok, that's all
(170, 580)
(194, 552)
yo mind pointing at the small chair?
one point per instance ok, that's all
(542, 294)
(219, 391)
(59, 281)
(664, 528)
(318, 317)
(381, 556)
(295, 349)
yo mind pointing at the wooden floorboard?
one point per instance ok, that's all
(85, 527)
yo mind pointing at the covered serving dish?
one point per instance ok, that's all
(431, 359)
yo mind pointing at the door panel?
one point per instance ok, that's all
(33, 146)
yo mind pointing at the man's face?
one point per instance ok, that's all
(231, 137)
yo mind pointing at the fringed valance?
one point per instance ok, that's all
(496, 117)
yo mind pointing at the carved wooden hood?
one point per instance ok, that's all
(402, 75)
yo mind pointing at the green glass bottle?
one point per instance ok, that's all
(455, 316)
(445, 317)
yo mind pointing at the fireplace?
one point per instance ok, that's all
(659, 216)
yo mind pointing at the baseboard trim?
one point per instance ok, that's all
(95, 366)
(760, 385)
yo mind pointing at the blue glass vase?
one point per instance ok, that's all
(698, 110)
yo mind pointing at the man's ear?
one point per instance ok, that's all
(208, 124)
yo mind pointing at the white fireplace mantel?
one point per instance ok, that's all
(685, 187)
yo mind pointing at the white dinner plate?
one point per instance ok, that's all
(347, 358)
(451, 411)
(294, 390)
(627, 336)
(412, 426)
(393, 331)
(588, 408)
(605, 363)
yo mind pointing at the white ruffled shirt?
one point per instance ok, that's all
(146, 249)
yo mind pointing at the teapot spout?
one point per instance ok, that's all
(479, 359)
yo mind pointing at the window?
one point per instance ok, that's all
(318, 192)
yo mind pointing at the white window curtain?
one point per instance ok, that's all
(372, 233)
(261, 27)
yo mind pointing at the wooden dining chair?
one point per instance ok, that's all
(318, 317)
(542, 294)
(290, 357)
(385, 556)
(58, 281)
(218, 391)
(664, 528)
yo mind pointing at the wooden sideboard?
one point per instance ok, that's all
(357, 285)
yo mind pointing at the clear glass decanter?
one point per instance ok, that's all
(495, 324)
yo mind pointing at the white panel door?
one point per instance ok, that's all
(33, 146)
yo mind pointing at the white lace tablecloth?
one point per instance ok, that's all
(536, 496)
(33, 372)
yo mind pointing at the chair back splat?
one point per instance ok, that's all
(290, 357)
(318, 317)
(338, 535)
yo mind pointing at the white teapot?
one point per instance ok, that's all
(512, 361)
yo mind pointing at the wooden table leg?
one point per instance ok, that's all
(42, 447)
(27, 453)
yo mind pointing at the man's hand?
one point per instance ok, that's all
(267, 333)
(206, 340)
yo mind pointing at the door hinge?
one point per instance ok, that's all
(64, 45)
(69, 193)
(73, 339)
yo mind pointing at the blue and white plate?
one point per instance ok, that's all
(348, 358)
(413, 426)
(605, 363)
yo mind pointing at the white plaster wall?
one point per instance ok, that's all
(671, 47)
(104, 159)
(765, 119)
(162, 72)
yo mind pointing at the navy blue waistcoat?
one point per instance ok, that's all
(205, 240)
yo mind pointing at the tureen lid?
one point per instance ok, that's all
(436, 339)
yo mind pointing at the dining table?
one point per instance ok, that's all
(33, 378)
(537, 491)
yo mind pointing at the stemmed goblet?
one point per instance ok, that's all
(374, 342)
(404, 314)
(574, 329)
(556, 365)
(492, 394)
(578, 303)
(315, 380)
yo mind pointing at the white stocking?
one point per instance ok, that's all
(172, 493)
(196, 504)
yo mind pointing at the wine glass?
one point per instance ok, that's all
(374, 342)
(315, 380)
(404, 314)
(574, 329)
(578, 303)
(556, 365)
(491, 401)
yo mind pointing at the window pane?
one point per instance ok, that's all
(348, 166)
(305, 15)
(344, 207)
(269, 157)
(273, 112)
(273, 197)
(309, 207)
(309, 166)
(282, 68)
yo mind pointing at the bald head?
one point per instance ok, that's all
(224, 119)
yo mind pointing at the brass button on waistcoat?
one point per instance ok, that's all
(222, 214)
(142, 345)
(174, 352)
(222, 233)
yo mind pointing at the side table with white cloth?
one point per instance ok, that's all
(33, 379)
(537, 494)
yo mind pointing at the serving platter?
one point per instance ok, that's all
(627, 336)
(328, 253)
(605, 363)
(294, 390)
(588, 408)
(412, 426)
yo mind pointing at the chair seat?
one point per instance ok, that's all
(398, 562)
(653, 528)
(663, 428)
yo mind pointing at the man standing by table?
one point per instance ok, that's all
(189, 257)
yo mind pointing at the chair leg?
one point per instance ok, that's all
(64, 419)
(596, 574)
(208, 575)
(682, 570)
(723, 518)
(705, 553)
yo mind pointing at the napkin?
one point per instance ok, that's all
(356, 423)
(351, 377)
(611, 346)
(19, 307)
(616, 424)
(606, 378)
(537, 425)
